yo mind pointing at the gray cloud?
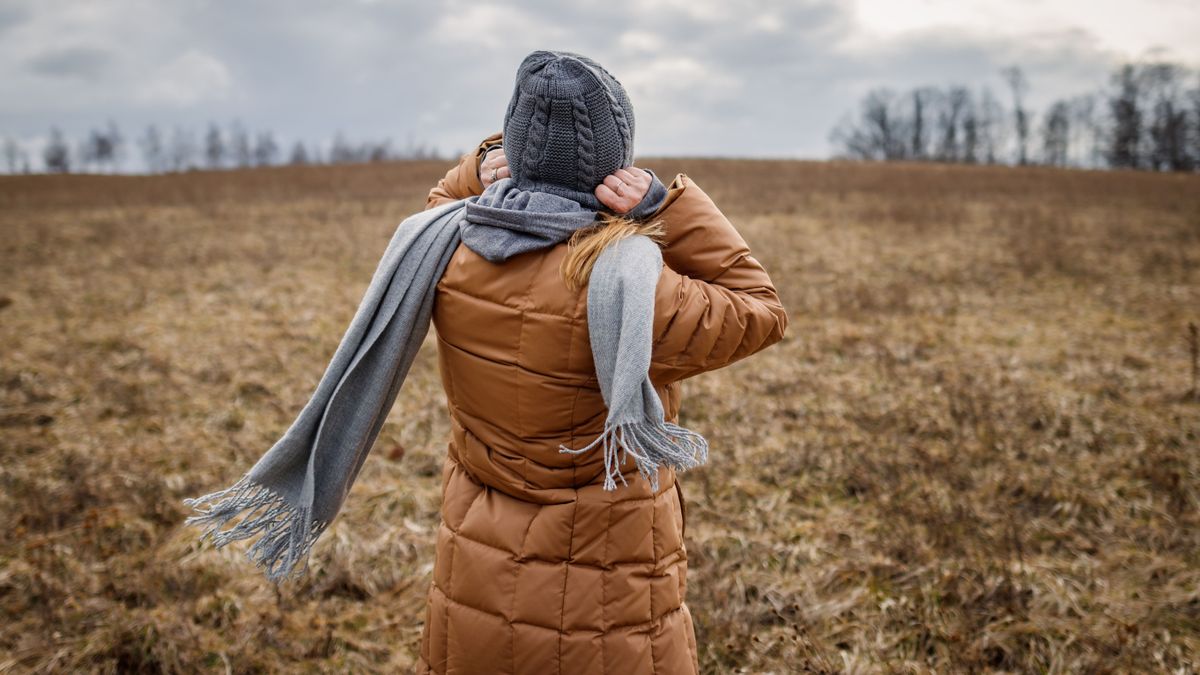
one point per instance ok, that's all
(762, 78)
(83, 63)
(12, 16)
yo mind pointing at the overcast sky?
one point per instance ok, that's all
(707, 77)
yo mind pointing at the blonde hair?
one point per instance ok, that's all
(586, 244)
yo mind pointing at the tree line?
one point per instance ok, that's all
(1147, 117)
(106, 149)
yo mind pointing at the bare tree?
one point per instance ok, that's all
(1056, 134)
(950, 118)
(342, 152)
(151, 145)
(1085, 132)
(918, 135)
(99, 149)
(14, 156)
(414, 149)
(971, 136)
(214, 147)
(182, 152)
(116, 146)
(877, 133)
(991, 133)
(266, 151)
(1018, 85)
(299, 154)
(1168, 122)
(239, 146)
(1194, 95)
(1125, 108)
(57, 154)
(104, 149)
(380, 151)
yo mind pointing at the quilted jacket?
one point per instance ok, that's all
(538, 569)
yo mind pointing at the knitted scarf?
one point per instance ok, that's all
(291, 494)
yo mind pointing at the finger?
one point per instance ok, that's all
(613, 182)
(609, 198)
(641, 173)
(627, 177)
(503, 172)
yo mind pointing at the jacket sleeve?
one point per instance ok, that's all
(714, 304)
(462, 180)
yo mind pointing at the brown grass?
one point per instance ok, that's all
(974, 451)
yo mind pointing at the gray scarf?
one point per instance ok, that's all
(292, 493)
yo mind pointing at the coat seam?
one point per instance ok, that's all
(517, 398)
(639, 627)
(577, 381)
(446, 614)
(653, 539)
(525, 304)
(687, 347)
(512, 625)
(603, 594)
(490, 301)
(447, 378)
(609, 567)
(562, 610)
(670, 321)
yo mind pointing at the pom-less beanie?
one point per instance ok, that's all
(568, 125)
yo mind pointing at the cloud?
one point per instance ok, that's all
(492, 26)
(757, 77)
(11, 16)
(188, 79)
(83, 63)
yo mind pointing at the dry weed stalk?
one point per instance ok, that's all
(1193, 339)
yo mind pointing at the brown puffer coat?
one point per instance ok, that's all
(538, 569)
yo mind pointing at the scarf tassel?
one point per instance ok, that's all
(288, 532)
(651, 445)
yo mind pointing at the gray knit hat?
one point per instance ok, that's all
(569, 124)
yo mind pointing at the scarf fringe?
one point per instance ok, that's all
(287, 532)
(651, 445)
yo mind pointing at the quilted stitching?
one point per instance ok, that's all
(574, 574)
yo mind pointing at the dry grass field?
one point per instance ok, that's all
(976, 450)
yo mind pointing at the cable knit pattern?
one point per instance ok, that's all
(587, 149)
(569, 124)
(538, 124)
(622, 124)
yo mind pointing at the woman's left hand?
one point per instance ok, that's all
(493, 167)
(624, 189)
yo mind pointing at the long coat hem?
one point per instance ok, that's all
(538, 569)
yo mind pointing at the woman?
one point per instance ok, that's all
(539, 568)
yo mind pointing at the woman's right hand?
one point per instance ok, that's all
(624, 189)
(493, 167)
